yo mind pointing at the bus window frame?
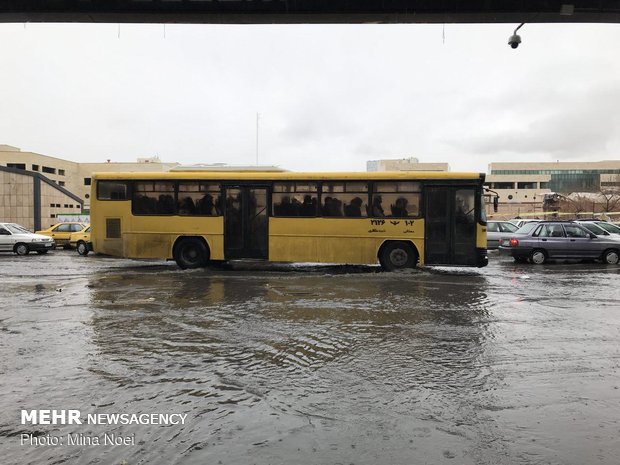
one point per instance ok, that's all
(129, 185)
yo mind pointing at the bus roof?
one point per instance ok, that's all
(292, 176)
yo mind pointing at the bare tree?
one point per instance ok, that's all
(610, 194)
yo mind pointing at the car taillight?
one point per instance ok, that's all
(514, 242)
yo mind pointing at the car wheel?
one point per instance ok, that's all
(42, 252)
(538, 257)
(611, 257)
(82, 248)
(397, 256)
(191, 253)
(22, 249)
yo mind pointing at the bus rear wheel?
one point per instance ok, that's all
(191, 253)
(397, 256)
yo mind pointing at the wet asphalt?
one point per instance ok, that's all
(509, 364)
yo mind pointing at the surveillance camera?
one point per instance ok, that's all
(514, 40)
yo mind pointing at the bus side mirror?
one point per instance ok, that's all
(495, 203)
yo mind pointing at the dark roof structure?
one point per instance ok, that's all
(310, 11)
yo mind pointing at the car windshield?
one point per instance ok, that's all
(17, 229)
(510, 227)
(595, 229)
(526, 228)
(609, 227)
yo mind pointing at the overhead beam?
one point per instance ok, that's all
(310, 11)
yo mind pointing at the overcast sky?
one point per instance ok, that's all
(330, 97)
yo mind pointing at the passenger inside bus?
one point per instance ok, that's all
(377, 209)
(399, 209)
(354, 209)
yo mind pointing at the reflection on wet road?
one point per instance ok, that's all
(510, 364)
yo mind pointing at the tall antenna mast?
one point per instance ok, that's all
(257, 118)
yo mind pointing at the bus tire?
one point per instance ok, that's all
(21, 249)
(82, 248)
(191, 252)
(397, 255)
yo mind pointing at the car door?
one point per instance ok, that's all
(62, 232)
(552, 239)
(5, 239)
(580, 244)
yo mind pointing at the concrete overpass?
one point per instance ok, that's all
(310, 11)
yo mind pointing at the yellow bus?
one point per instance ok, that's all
(398, 219)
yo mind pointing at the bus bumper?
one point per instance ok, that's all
(483, 258)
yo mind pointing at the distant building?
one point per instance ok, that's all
(522, 186)
(36, 188)
(405, 164)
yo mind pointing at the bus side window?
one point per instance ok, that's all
(349, 199)
(111, 190)
(396, 199)
(153, 198)
(198, 198)
(294, 199)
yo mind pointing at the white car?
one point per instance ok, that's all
(15, 238)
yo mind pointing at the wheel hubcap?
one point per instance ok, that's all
(538, 258)
(398, 257)
(612, 258)
(190, 254)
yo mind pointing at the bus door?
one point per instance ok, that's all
(450, 225)
(245, 222)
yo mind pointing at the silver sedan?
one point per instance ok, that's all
(560, 240)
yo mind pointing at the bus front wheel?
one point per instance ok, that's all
(191, 253)
(397, 256)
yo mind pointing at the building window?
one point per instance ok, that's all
(61, 172)
(66, 205)
(52, 205)
(503, 185)
(526, 185)
(87, 181)
(19, 166)
(544, 185)
(35, 167)
(61, 183)
(57, 205)
(48, 170)
(53, 215)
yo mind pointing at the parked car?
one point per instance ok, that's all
(496, 230)
(17, 239)
(609, 227)
(81, 241)
(518, 222)
(61, 232)
(560, 240)
(595, 228)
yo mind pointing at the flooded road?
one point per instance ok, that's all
(509, 364)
